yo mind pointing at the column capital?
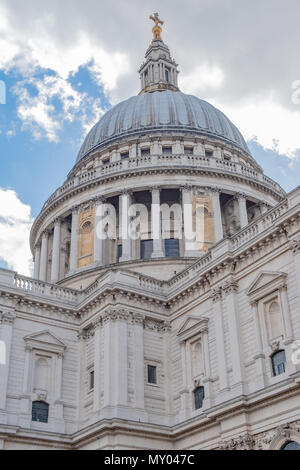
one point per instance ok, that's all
(126, 192)
(155, 188)
(294, 245)
(45, 233)
(58, 220)
(75, 209)
(99, 200)
(37, 246)
(230, 286)
(240, 196)
(186, 187)
(216, 294)
(7, 318)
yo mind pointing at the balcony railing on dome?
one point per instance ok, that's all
(152, 161)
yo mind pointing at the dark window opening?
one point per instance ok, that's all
(189, 150)
(40, 411)
(208, 153)
(152, 375)
(106, 161)
(145, 152)
(278, 363)
(124, 155)
(167, 150)
(172, 248)
(146, 249)
(120, 252)
(167, 75)
(92, 380)
(199, 397)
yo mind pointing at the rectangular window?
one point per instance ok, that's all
(167, 75)
(92, 380)
(124, 156)
(172, 248)
(167, 150)
(120, 252)
(146, 249)
(152, 375)
(189, 150)
(106, 161)
(208, 153)
(145, 152)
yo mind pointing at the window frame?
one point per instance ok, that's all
(46, 409)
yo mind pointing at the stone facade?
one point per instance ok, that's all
(116, 344)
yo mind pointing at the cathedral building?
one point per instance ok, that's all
(145, 338)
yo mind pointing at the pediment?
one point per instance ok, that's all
(267, 280)
(192, 326)
(45, 340)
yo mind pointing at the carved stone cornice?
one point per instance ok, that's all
(156, 325)
(137, 319)
(246, 442)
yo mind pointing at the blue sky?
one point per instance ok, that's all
(63, 72)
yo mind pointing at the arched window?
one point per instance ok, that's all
(278, 363)
(291, 445)
(86, 239)
(199, 397)
(40, 411)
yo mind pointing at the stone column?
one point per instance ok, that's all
(6, 321)
(125, 201)
(37, 260)
(156, 224)
(188, 232)
(56, 251)
(242, 210)
(230, 289)
(109, 360)
(218, 224)
(220, 343)
(121, 364)
(98, 239)
(44, 257)
(259, 356)
(97, 365)
(74, 240)
(139, 380)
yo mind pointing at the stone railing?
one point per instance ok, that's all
(42, 288)
(152, 161)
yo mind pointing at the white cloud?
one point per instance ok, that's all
(205, 78)
(15, 225)
(269, 123)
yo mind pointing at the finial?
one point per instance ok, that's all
(157, 29)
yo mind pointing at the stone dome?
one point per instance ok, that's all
(162, 111)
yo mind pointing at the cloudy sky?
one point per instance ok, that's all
(65, 62)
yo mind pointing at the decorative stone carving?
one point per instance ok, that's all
(216, 294)
(7, 318)
(295, 245)
(230, 286)
(274, 439)
(246, 442)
